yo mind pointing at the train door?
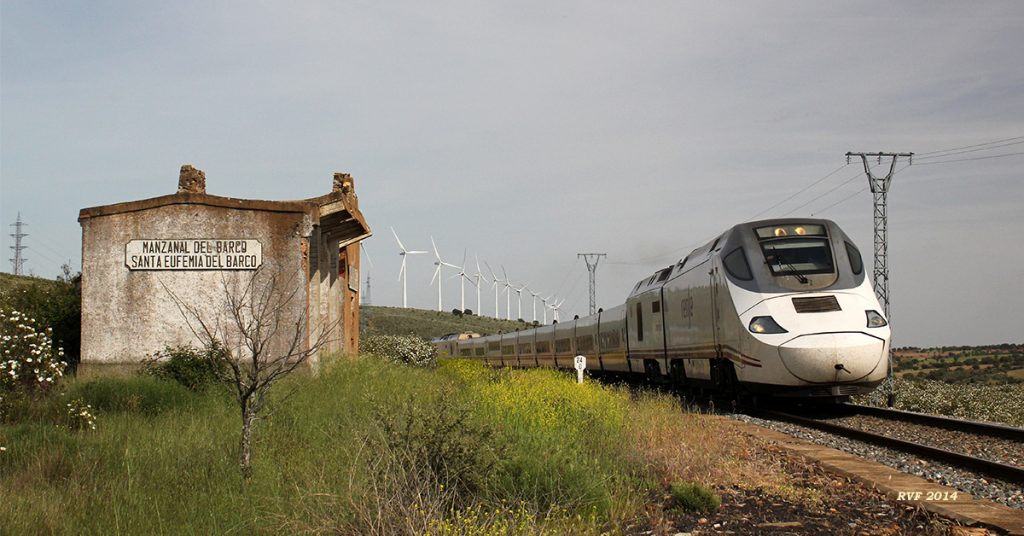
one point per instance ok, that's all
(723, 374)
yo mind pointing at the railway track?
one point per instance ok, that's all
(963, 436)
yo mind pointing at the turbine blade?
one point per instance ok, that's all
(367, 253)
(401, 271)
(436, 272)
(436, 254)
(397, 240)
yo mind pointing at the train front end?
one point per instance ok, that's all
(805, 311)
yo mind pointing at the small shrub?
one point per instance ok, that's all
(401, 349)
(192, 368)
(693, 497)
(79, 415)
(443, 436)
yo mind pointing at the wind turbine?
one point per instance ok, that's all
(437, 272)
(403, 274)
(556, 308)
(508, 295)
(534, 294)
(479, 279)
(519, 295)
(544, 308)
(495, 279)
(462, 275)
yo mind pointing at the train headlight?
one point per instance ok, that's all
(875, 320)
(765, 325)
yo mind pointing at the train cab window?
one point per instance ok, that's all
(737, 266)
(856, 262)
(663, 275)
(796, 249)
(800, 255)
(656, 307)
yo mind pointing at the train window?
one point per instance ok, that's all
(656, 307)
(585, 344)
(479, 350)
(508, 349)
(736, 265)
(543, 347)
(798, 256)
(639, 322)
(610, 340)
(856, 262)
(663, 275)
(464, 352)
(563, 346)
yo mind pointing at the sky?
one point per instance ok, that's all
(526, 132)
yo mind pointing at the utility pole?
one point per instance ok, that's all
(592, 268)
(880, 190)
(18, 261)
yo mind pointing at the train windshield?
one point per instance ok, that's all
(796, 249)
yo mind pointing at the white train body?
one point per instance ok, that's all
(781, 307)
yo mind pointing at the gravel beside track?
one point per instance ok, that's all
(963, 480)
(1004, 451)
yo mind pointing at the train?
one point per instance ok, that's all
(777, 308)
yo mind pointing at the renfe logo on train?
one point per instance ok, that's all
(193, 254)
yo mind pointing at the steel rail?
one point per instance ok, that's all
(1009, 473)
(976, 427)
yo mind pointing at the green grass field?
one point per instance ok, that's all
(366, 447)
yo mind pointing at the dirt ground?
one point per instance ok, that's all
(820, 503)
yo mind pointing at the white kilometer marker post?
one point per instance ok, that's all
(580, 362)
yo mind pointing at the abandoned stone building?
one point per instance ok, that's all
(144, 261)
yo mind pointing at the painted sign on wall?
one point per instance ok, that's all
(193, 254)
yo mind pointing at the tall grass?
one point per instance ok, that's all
(366, 447)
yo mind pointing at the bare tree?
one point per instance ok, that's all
(258, 335)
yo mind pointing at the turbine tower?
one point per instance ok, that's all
(403, 274)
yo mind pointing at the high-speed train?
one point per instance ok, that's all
(779, 307)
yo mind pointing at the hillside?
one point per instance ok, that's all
(427, 324)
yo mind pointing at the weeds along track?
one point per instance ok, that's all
(993, 450)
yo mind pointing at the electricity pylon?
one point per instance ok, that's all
(18, 262)
(880, 189)
(592, 267)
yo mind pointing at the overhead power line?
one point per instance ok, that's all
(965, 151)
(971, 159)
(925, 154)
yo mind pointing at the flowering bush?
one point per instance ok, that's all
(79, 415)
(28, 360)
(400, 349)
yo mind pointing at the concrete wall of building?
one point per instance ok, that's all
(310, 259)
(128, 314)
